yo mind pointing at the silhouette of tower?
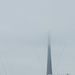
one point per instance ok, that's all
(49, 62)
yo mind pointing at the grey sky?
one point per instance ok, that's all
(24, 28)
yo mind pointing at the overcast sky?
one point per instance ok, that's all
(24, 29)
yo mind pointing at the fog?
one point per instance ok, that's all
(24, 29)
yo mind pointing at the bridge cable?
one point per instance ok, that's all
(39, 60)
(60, 57)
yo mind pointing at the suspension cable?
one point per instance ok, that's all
(39, 60)
(60, 57)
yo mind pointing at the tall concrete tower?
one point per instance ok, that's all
(49, 62)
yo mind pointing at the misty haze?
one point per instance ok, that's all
(24, 29)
